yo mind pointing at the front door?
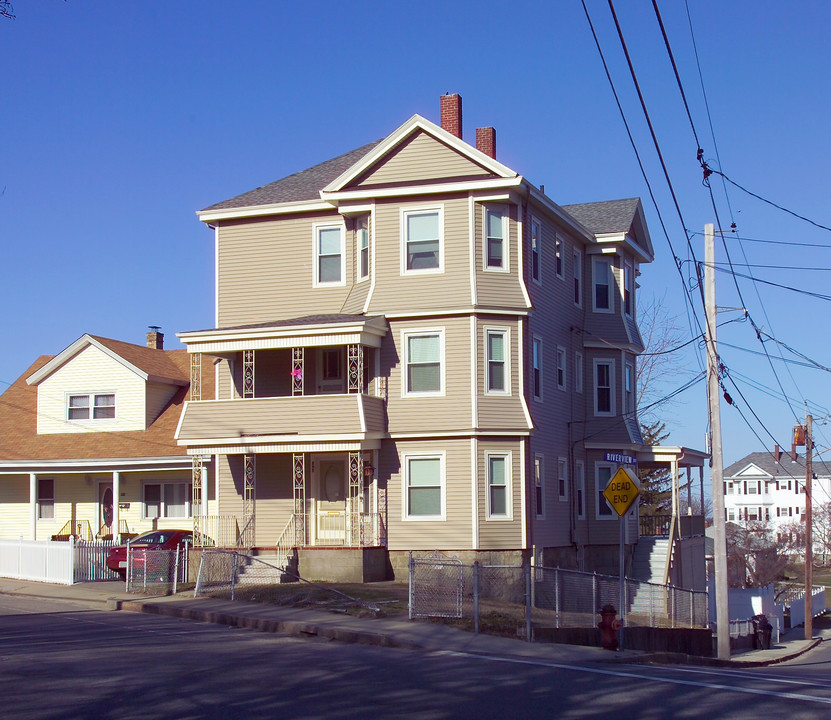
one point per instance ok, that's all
(331, 500)
(105, 509)
(331, 372)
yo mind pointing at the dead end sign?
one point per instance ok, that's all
(622, 490)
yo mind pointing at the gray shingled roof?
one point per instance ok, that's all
(609, 216)
(304, 185)
(784, 468)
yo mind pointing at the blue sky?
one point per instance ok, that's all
(120, 120)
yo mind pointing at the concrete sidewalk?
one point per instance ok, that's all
(383, 631)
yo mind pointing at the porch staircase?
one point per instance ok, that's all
(648, 565)
(266, 568)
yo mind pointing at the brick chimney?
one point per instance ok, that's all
(486, 141)
(155, 339)
(451, 114)
(777, 453)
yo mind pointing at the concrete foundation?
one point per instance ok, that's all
(399, 559)
(349, 565)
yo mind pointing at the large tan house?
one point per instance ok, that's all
(86, 442)
(420, 350)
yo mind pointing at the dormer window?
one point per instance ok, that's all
(496, 257)
(99, 406)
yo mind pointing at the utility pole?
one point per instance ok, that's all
(809, 536)
(716, 461)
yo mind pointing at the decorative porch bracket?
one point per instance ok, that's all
(355, 354)
(299, 485)
(248, 373)
(298, 357)
(196, 376)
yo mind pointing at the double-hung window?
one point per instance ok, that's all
(496, 249)
(580, 489)
(536, 359)
(46, 499)
(577, 271)
(628, 287)
(362, 237)
(539, 486)
(558, 255)
(422, 240)
(604, 387)
(423, 353)
(499, 473)
(329, 255)
(95, 406)
(629, 380)
(561, 368)
(603, 474)
(562, 478)
(423, 487)
(497, 347)
(602, 277)
(536, 240)
(167, 500)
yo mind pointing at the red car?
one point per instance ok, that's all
(153, 540)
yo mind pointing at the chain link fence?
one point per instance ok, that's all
(518, 598)
(153, 571)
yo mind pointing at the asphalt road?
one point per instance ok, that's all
(65, 660)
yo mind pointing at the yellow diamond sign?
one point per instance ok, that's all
(622, 490)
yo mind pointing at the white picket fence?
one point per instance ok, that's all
(43, 561)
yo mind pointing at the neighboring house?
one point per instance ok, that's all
(419, 350)
(769, 487)
(86, 442)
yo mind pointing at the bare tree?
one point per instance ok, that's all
(6, 9)
(756, 556)
(822, 533)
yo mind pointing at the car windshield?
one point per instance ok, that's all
(160, 537)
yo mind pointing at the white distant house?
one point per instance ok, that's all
(770, 487)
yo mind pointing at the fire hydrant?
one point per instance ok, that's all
(609, 626)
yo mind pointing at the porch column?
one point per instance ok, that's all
(196, 474)
(249, 499)
(355, 368)
(33, 505)
(701, 488)
(248, 373)
(196, 376)
(299, 489)
(206, 477)
(298, 357)
(116, 497)
(689, 491)
(356, 472)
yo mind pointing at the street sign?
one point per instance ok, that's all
(620, 458)
(622, 490)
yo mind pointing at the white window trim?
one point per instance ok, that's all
(316, 228)
(629, 394)
(562, 478)
(509, 505)
(404, 214)
(538, 224)
(577, 274)
(580, 486)
(91, 398)
(536, 339)
(539, 512)
(562, 357)
(612, 515)
(611, 363)
(506, 332)
(506, 245)
(162, 483)
(609, 278)
(405, 496)
(578, 373)
(405, 335)
(358, 249)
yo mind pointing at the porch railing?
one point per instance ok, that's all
(222, 531)
(332, 530)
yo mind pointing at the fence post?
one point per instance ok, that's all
(176, 570)
(197, 587)
(233, 575)
(476, 597)
(528, 584)
(594, 593)
(556, 597)
(410, 594)
(72, 559)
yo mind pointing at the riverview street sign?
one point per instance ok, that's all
(622, 490)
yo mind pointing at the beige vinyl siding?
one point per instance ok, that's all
(158, 396)
(266, 270)
(15, 513)
(275, 501)
(452, 533)
(300, 415)
(496, 411)
(354, 303)
(225, 389)
(396, 292)
(231, 484)
(499, 533)
(448, 413)
(420, 158)
(91, 371)
(496, 288)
